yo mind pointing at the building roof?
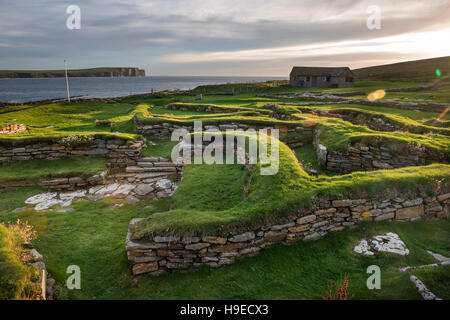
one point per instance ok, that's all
(320, 71)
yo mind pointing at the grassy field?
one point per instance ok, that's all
(92, 237)
(220, 198)
(63, 119)
(418, 70)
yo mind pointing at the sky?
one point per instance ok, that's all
(221, 37)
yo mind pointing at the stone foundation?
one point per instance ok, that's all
(155, 253)
(203, 108)
(164, 130)
(373, 158)
(120, 154)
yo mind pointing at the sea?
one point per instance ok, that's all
(35, 89)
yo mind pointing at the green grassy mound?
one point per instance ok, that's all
(37, 170)
(429, 124)
(267, 198)
(336, 134)
(58, 120)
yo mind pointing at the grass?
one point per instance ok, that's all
(306, 155)
(58, 120)
(418, 70)
(336, 133)
(437, 280)
(220, 198)
(158, 147)
(272, 197)
(37, 170)
(95, 235)
(15, 276)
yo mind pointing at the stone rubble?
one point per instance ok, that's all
(389, 242)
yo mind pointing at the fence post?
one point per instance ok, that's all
(44, 284)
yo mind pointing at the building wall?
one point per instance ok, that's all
(321, 82)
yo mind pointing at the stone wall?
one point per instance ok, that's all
(155, 253)
(165, 129)
(119, 152)
(203, 108)
(374, 157)
(60, 183)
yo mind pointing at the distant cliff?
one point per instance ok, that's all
(93, 72)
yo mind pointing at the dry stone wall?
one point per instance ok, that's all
(374, 157)
(120, 154)
(155, 254)
(165, 129)
(203, 108)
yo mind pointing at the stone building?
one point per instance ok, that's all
(319, 77)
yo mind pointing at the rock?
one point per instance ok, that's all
(66, 196)
(55, 182)
(42, 197)
(361, 208)
(108, 189)
(143, 189)
(36, 256)
(132, 169)
(51, 203)
(381, 165)
(443, 197)
(423, 290)
(246, 236)
(145, 267)
(123, 190)
(250, 251)
(214, 240)
(299, 228)
(411, 203)
(274, 236)
(281, 226)
(93, 190)
(313, 236)
(76, 181)
(131, 199)
(166, 239)
(409, 213)
(386, 216)
(163, 194)
(197, 246)
(363, 248)
(321, 155)
(227, 247)
(389, 242)
(341, 203)
(307, 219)
(325, 211)
(163, 184)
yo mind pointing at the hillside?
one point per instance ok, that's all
(93, 72)
(421, 70)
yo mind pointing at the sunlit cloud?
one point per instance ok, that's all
(220, 37)
(430, 42)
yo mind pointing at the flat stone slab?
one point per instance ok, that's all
(389, 242)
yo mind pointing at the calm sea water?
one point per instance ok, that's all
(23, 90)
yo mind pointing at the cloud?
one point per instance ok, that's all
(215, 36)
